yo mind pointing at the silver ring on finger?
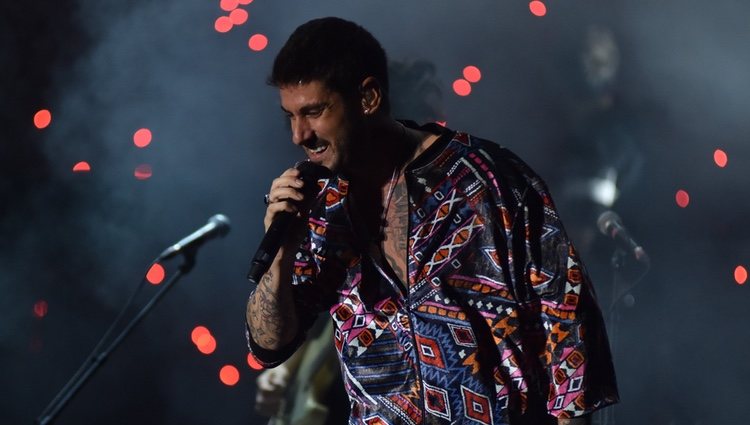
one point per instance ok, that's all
(266, 199)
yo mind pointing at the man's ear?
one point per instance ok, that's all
(371, 95)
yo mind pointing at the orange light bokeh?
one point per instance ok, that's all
(82, 167)
(720, 158)
(228, 5)
(253, 363)
(203, 340)
(462, 87)
(40, 309)
(538, 8)
(257, 42)
(143, 172)
(142, 137)
(197, 333)
(740, 275)
(42, 118)
(238, 16)
(472, 74)
(155, 274)
(229, 375)
(682, 198)
(223, 24)
(206, 344)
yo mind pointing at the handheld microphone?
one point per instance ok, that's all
(610, 224)
(277, 232)
(218, 225)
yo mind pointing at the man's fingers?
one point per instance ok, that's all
(284, 193)
(290, 178)
(275, 208)
(286, 190)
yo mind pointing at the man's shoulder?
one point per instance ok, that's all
(490, 156)
(496, 165)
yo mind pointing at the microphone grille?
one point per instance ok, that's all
(606, 219)
(310, 173)
(222, 223)
(311, 170)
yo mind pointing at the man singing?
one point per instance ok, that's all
(455, 294)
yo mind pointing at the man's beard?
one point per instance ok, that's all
(354, 152)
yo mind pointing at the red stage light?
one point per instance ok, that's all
(143, 172)
(441, 123)
(258, 42)
(229, 375)
(82, 167)
(720, 158)
(228, 5)
(142, 137)
(461, 87)
(682, 198)
(42, 118)
(253, 363)
(245, 1)
(740, 275)
(538, 8)
(40, 309)
(472, 74)
(238, 16)
(223, 24)
(203, 339)
(197, 333)
(206, 344)
(155, 274)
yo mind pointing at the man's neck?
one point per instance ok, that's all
(392, 147)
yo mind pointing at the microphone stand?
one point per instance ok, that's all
(622, 284)
(97, 357)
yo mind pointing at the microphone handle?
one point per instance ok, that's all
(269, 246)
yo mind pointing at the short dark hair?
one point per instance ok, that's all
(335, 51)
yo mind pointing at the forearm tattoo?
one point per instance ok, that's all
(269, 319)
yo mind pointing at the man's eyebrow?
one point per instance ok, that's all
(308, 108)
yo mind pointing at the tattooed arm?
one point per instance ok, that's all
(271, 313)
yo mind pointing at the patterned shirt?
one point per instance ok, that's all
(498, 318)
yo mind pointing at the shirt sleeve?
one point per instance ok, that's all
(553, 280)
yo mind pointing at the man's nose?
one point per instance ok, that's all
(301, 131)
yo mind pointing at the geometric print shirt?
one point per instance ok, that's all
(498, 321)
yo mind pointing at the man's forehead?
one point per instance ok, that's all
(302, 94)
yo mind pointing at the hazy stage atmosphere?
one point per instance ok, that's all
(127, 124)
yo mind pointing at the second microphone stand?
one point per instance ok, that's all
(100, 353)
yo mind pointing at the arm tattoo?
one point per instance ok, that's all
(269, 319)
(397, 227)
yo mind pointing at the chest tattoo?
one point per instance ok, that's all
(395, 229)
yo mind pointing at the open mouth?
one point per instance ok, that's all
(318, 149)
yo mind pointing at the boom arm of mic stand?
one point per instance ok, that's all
(95, 360)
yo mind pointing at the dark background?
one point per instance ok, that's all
(81, 241)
